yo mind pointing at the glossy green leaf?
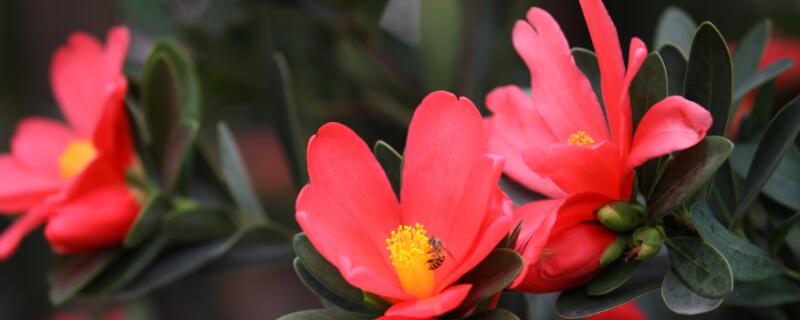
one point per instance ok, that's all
(690, 169)
(777, 139)
(148, 220)
(236, 178)
(768, 73)
(392, 163)
(576, 303)
(131, 263)
(70, 274)
(783, 185)
(778, 236)
(680, 299)
(748, 262)
(441, 26)
(749, 51)
(774, 291)
(170, 94)
(176, 155)
(708, 76)
(288, 125)
(496, 314)
(197, 224)
(763, 109)
(324, 272)
(648, 87)
(700, 266)
(587, 63)
(612, 277)
(675, 63)
(177, 263)
(677, 28)
(319, 288)
(491, 276)
(325, 314)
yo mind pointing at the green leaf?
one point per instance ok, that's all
(236, 178)
(774, 291)
(496, 314)
(700, 266)
(392, 163)
(761, 77)
(778, 137)
(148, 220)
(689, 170)
(197, 224)
(441, 25)
(747, 56)
(648, 86)
(313, 284)
(677, 28)
(675, 63)
(131, 263)
(708, 76)
(70, 274)
(748, 262)
(170, 94)
(575, 303)
(612, 277)
(518, 193)
(778, 236)
(682, 300)
(763, 109)
(324, 272)
(491, 276)
(179, 148)
(150, 16)
(178, 263)
(587, 63)
(325, 314)
(784, 184)
(289, 127)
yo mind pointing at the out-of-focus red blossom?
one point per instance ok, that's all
(628, 311)
(779, 47)
(556, 141)
(72, 176)
(449, 191)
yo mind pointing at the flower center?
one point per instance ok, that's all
(78, 155)
(410, 252)
(580, 138)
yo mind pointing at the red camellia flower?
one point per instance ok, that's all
(72, 176)
(449, 198)
(558, 142)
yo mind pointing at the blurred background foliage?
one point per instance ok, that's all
(363, 63)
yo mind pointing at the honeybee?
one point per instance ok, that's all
(437, 253)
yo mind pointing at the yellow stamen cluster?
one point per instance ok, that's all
(409, 252)
(580, 138)
(76, 157)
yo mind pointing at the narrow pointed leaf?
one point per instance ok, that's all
(763, 110)
(289, 127)
(680, 299)
(236, 178)
(675, 63)
(612, 277)
(648, 87)
(777, 139)
(783, 185)
(128, 266)
(70, 274)
(197, 224)
(324, 272)
(778, 236)
(392, 163)
(677, 28)
(690, 169)
(747, 56)
(768, 73)
(748, 262)
(700, 266)
(148, 220)
(708, 81)
(176, 155)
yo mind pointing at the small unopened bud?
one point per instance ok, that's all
(648, 241)
(621, 216)
(613, 251)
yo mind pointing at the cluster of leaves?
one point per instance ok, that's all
(701, 195)
(199, 204)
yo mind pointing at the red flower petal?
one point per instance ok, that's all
(561, 93)
(514, 121)
(628, 311)
(578, 168)
(20, 188)
(112, 136)
(39, 143)
(671, 124)
(434, 306)
(538, 218)
(349, 209)
(94, 220)
(11, 237)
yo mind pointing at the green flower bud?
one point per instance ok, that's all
(649, 241)
(621, 216)
(614, 251)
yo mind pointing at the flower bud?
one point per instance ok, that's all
(648, 241)
(613, 251)
(621, 216)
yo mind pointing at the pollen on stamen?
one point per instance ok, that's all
(580, 138)
(409, 252)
